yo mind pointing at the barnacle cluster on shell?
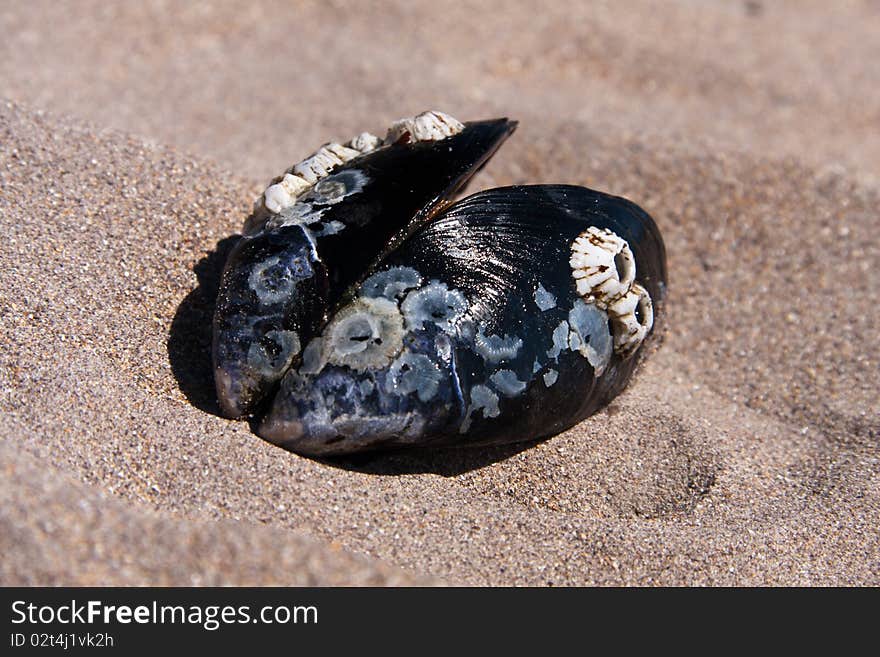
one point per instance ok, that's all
(604, 271)
(427, 126)
(302, 176)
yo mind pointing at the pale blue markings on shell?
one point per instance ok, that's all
(536, 367)
(550, 377)
(301, 213)
(543, 299)
(506, 382)
(338, 186)
(436, 304)
(414, 373)
(311, 206)
(484, 400)
(330, 228)
(273, 279)
(391, 283)
(443, 346)
(590, 335)
(273, 352)
(335, 404)
(560, 340)
(494, 348)
(312, 360)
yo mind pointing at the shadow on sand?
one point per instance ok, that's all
(189, 341)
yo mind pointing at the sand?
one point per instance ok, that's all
(134, 138)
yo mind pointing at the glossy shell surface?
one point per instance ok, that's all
(369, 314)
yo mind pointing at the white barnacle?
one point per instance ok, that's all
(320, 163)
(427, 126)
(365, 142)
(277, 198)
(391, 283)
(344, 153)
(414, 373)
(284, 193)
(294, 185)
(550, 377)
(434, 303)
(632, 317)
(507, 383)
(602, 265)
(543, 299)
(302, 176)
(366, 334)
(494, 348)
(484, 399)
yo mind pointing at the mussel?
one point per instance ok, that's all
(361, 310)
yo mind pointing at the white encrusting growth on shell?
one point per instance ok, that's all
(427, 126)
(604, 272)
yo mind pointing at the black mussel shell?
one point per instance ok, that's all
(511, 316)
(292, 267)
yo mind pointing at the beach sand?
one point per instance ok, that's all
(133, 139)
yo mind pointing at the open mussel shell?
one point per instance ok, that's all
(298, 258)
(511, 316)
